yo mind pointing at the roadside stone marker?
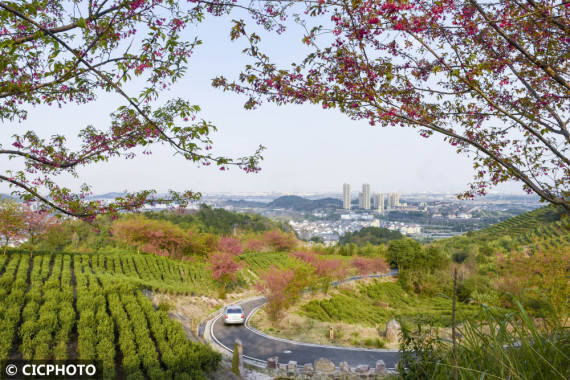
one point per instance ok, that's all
(380, 368)
(324, 365)
(273, 362)
(308, 369)
(362, 368)
(344, 368)
(291, 367)
(393, 329)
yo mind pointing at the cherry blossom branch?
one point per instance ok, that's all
(547, 69)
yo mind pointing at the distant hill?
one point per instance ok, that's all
(216, 220)
(243, 203)
(294, 202)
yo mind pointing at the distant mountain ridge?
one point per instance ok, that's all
(297, 203)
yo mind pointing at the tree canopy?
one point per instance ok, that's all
(372, 235)
(58, 52)
(492, 77)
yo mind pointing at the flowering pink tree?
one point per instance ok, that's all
(492, 78)
(328, 270)
(37, 222)
(230, 245)
(367, 265)
(308, 257)
(255, 245)
(56, 52)
(224, 268)
(12, 224)
(274, 284)
(279, 241)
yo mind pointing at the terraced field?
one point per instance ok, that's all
(72, 306)
(259, 261)
(379, 302)
(545, 229)
(521, 225)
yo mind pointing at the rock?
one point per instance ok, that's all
(308, 369)
(291, 367)
(344, 368)
(324, 365)
(393, 331)
(273, 362)
(380, 369)
(362, 368)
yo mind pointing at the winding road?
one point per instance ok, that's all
(258, 346)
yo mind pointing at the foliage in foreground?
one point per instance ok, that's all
(494, 347)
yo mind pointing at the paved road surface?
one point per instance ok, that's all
(260, 347)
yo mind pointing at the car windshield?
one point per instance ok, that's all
(234, 310)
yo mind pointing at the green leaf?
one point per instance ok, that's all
(81, 23)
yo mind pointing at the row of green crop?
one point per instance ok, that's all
(154, 272)
(95, 328)
(521, 224)
(379, 302)
(258, 261)
(145, 332)
(48, 316)
(111, 316)
(13, 284)
(552, 231)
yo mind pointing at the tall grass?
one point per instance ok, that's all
(495, 346)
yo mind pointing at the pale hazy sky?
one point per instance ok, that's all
(308, 149)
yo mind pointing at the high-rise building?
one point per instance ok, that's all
(366, 196)
(393, 200)
(378, 203)
(360, 200)
(346, 196)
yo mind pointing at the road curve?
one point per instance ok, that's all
(259, 347)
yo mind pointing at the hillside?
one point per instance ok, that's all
(74, 306)
(297, 203)
(541, 229)
(216, 220)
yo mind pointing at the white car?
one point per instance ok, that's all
(234, 315)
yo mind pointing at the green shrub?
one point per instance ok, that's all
(374, 342)
(496, 346)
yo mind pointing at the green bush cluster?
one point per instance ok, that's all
(95, 328)
(46, 297)
(259, 261)
(370, 235)
(48, 316)
(154, 272)
(12, 290)
(179, 355)
(379, 302)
